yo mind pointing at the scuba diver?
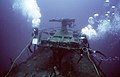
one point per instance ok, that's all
(86, 47)
(84, 40)
(34, 41)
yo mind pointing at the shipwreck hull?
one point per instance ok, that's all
(62, 63)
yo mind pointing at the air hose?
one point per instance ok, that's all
(93, 64)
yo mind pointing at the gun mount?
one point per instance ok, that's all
(65, 23)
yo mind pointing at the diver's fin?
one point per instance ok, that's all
(101, 53)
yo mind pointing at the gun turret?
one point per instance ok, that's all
(65, 23)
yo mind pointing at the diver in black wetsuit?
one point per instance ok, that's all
(34, 35)
(84, 39)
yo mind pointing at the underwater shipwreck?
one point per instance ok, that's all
(63, 53)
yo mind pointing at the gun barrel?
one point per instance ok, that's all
(62, 20)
